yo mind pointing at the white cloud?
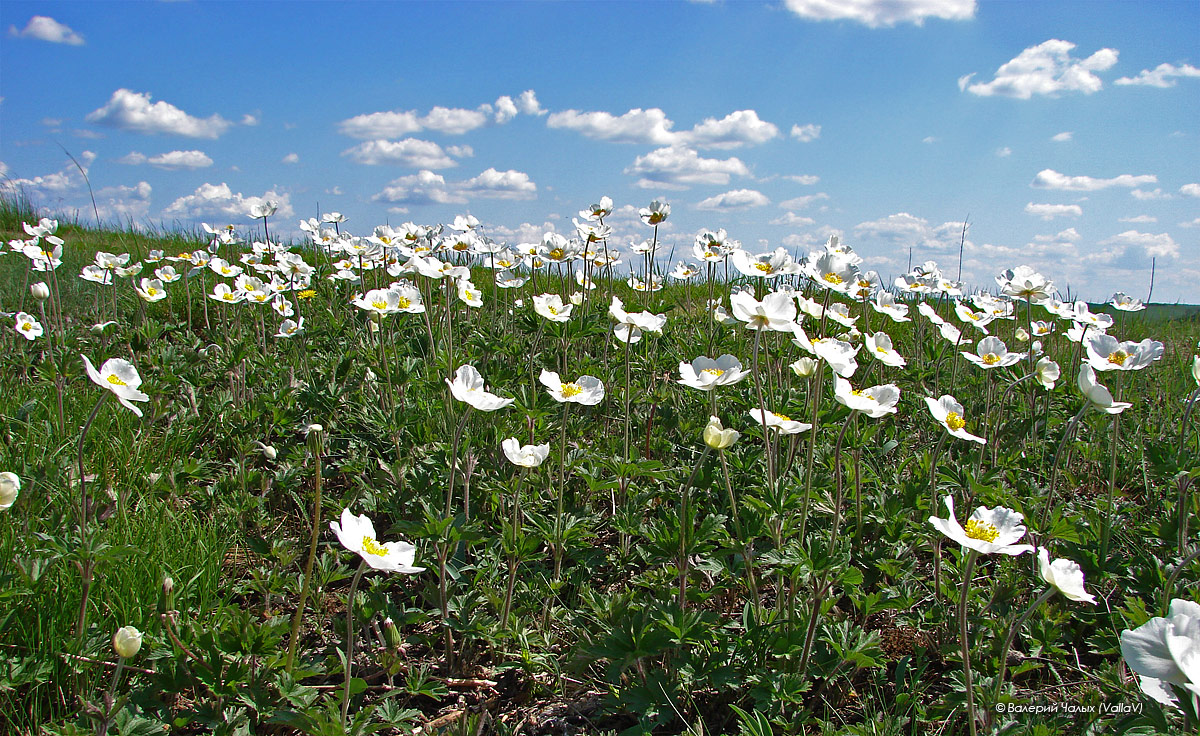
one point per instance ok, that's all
(124, 203)
(44, 28)
(1190, 190)
(929, 139)
(528, 104)
(526, 232)
(1143, 195)
(903, 229)
(678, 168)
(171, 161)
(876, 13)
(805, 179)
(128, 110)
(505, 108)
(381, 124)
(51, 122)
(1162, 76)
(454, 120)
(1045, 69)
(460, 151)
(737, 199)
(411, 152)
(87, 134)
(1138, 219)
(218, 200)
(57, 185)
(426, 187)
(449, 120)
(1050, 211)
(799, 203)
(653, 127)
(1192, 223)
(1051, 179)
(820, 236)
(1004, 152)
(251, 120)
(1132, 247)
(1062, 137)
(806, 133)
(291, 158)
(791, 219)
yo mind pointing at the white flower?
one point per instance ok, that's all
(585, 390)
(839, 354)
(779, 422)
(1126, 303)
(885, 303)
(776, 311)
(127, 641)
(468, 294)
(875, 402)
(656, 213)
(1106, 353)
(263, 209)
(1166, 651)
(551, 307)
(1065, 576)
(40, 291)
(526, 456)
(717, 437)
(119, 376)
(879, 346)
(357, 534)
(468, 387)
(949, 413)
(1099, 396)
(706, 374)
(1047, 372)
(988, 531)
(290, 328)
(10, 488)
(268, 451)
(1025, 283)
(29, 327)
(993, 353)
(151, 290)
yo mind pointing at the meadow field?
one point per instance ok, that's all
(406, 479)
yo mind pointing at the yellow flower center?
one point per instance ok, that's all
(379, 304)
(184, 255)
(714, 372)
(371, 547)
(504, 263)
(784, 417)
(225, 270)
(981, 530)
(469, 295)
(833, 278)
(404, 302)
(1118, 358)
(764, 267)
(152, 291)
(955, 422)
(571, 389)
(227, 296)
(556, 254)
(260, 298)
(990, 358)
(461, 246)
(880, 349)
(857, 392)
(115, 380)
(552, 309)
(27, 326)
(307, 294)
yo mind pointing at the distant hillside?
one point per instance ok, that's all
(1155, 312)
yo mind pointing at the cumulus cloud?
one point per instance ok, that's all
(1190, 190)
(1062, 137)
(1162, 76)
(903, 229)
(171, 161)
(805, 179)
(454, 120)
(291, 158)
(133, 111)
(677, 167)
(791, 219)
(250, 120)
(1070, 235)
(528, 104)
(59, 184)
(806, 133)
(799, 203)
(876, 13)
(1138, 219)
(1143, 194)
(218, 200)
(44, 28)
(381, 124)
(505, 109)
(411, 152)
(426, 187)
(1050, 211)
(1046, 69)
(449, 120)
(526, 232)
(124, 203)
(653, 127)
(737, 199)
(1051, 179)
(1134, 249)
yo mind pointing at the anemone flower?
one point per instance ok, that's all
(879, 346)
(1065, 576)
(875, 402)
(779, 422)
(119, 376)
(29, 327)
(1047, 372)
(988, 531)
(991, 352)
(10, 488)
(551, 307)
(655, 214)
(290, 328)
(1126, 303)
(1166, 651)
(839, 354)
(706, 374)
(949, 413)
(151, 290)
(525, 456)
(776, 311)
(585, 390)
(1025, 283)
(1106, 353)
(468, 387)
(1098, 395)
(357, 534)
(718, 437)
(885, 303)
(630, 326)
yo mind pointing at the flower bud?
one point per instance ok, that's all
(1022, 335)
(127, 641)
(804, 367)
(40, 291)
(10, 487)
(391, 633)
(577, 298)
(314, 428)
(268, 451)
(717, 437)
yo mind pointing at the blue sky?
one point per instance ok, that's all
(1068, 134)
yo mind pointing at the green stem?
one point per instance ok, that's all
(362, 566)
(964, 642)
(312, 555)
(1012, 633)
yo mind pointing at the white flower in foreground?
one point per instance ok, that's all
(991, 352)
(949, 413)
(1106, 353)
(29, 327)
(1025, 283)
(804, 367)
(1065, 576)
(839, 354)
(119, 376)
(266, 208)
(885, 303)
(127, 642)
(468, 387)
(151, 290)
(706, 374)
(290, 328)
(526, 456)
(875, 402)
(779, 422)
(630, 326)
(357, 534)
(840, 313)
(551, 307)
(468, 294)
(1099, 396)
(585, 390)
(968, 316)
(10, 488)
(1126, 303)
(1046, 372)
(656, 213)
(717, 437)
(1196, 368)
(879, 346)
(776, 311)
(988, 531)
(1166, 651)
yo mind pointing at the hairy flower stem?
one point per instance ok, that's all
(1012, 634)
(814, 385)
(297, 617)
(743, 543)
(462, 424)
(513, 559)
(963, 641)
(685, 527)
(937, 556)
(1110, 511)
(560, 501)
(1072, 425)
(362, 566)
(995, 441)
(837, 474)
(1187, 413)
(87, 565)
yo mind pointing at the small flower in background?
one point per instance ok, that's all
(804, 367)
(717, 437)
(988, 531)
(290, 328)
(782, 423)
(1165, 651)
(151, 290)
(29, 327)
(949, 413)
(585, 390)
(1099, 396)
(468, 387)
(552, 308)
(10, 488)
(119, 376)
(525, 456)
(40, 291)
(993, 353)
(875, 402)
(706, 374)
(100, 327)
(1046, 372)
(1065, 575)
(127, 641)
(1126, 303)
(357, 534)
